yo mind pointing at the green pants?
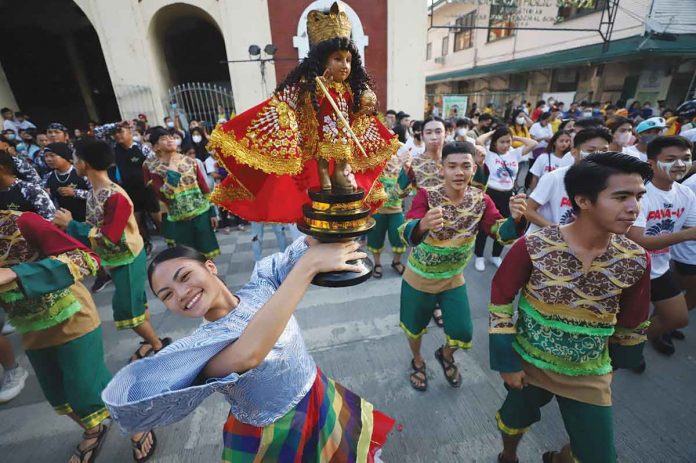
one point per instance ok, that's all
(129, 302)
(73, 375)
(417, 309)
(386, 224)
(197, 233)
(589, 427)
(168, 231)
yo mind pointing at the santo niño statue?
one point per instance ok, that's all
(295, 141)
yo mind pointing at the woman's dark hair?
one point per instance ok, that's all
(315, 64)
(514, 115)
(564, 123)
(7, 162)
(200, 131)
(177, 252)
(499, 133)
(590, 176)
(551, 147)
(433, 119)
(417, 129)
(615, 122)
(545, 116)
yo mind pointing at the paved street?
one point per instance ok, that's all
(354, 336)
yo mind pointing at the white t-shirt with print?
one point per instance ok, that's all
(538, 131)
(635, 152)
(542, 166)
(686, 252)
(503, 168)
(664, 212)
(554, 203)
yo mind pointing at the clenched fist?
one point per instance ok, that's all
(433, 220)
(518, 205)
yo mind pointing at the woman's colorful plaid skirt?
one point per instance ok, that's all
(330, 425)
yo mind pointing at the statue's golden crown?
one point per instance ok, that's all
(324, 26)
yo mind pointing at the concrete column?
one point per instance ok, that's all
(7, 98)
(406, 40)
(243, 24)
(78, 69)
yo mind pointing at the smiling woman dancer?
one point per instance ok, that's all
(283, 408)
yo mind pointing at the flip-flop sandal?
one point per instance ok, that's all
(139, 446)
(399, 267)
(165, 342)
(93, 447)
(447, 367)
(417, 370)
(377, 272)
(138, 355)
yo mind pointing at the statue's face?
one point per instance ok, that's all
(338, 65)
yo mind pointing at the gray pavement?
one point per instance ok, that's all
(354, 336)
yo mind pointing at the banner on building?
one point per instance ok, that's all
(560, 97)
(454, 106)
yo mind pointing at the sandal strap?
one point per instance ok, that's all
(138, 445)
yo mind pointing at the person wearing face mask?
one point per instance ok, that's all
(199, 142)
(646, 132)
(549, 203)
(501, 166)
(541, 130)
(519, 126)
(667, 217)
(621, 129)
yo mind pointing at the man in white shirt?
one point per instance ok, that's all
(549, 203)
(22, 122)
(666, 209)
(8, 120)
(684, 259)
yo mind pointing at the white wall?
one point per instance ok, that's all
(406, 38)
(135, 59)
(7, 99)
(524, 43)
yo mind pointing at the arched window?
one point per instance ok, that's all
(301, 42)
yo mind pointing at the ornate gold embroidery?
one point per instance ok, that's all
(271, 142)
(234, 191)
(338, 226)
(335, 151)
(319, 206)
(377, 196)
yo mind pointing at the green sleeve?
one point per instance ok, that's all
(403, 181)
(508, 231)
(43, 276)
(406, 231)
(503, 357)
(80, 231)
